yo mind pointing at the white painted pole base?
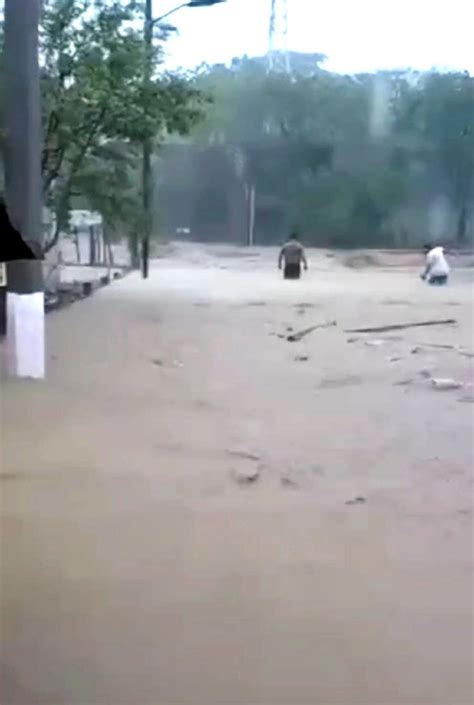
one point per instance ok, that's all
(25, 344)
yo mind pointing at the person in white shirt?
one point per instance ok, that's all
(437, 268)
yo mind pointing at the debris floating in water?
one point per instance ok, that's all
(295, 337)
(402, 326)
(445, 383)
(246, 476)
(357, 500)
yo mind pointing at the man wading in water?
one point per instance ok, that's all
(437, 269)
(292, 254)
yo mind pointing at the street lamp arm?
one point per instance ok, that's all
(190, 3)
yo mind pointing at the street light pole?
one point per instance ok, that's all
(147, 144)
(25, 288)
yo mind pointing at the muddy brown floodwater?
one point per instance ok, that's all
(196, 511)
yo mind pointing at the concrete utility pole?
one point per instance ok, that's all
(25, 289)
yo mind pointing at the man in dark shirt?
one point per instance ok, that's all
(292, 255)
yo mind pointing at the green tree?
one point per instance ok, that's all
(94, 94)
(351, 159)
(441, 109)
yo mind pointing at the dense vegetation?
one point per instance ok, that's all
(97, 109)
(350, 160)
(385, 159)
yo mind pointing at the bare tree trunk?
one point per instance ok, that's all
(110, 254)
(462, 225)
(252, 195)
(76, 243)
(133, 249)
(92, 246)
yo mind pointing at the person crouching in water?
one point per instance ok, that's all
(437, 268)
(292, 256)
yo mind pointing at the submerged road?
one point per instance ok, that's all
(197, 512)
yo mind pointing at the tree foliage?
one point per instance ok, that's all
(95, 98)
(351, 160)
(443, 117)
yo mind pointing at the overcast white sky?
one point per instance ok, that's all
(356, 35)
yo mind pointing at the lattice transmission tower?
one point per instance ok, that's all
(278, 57)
